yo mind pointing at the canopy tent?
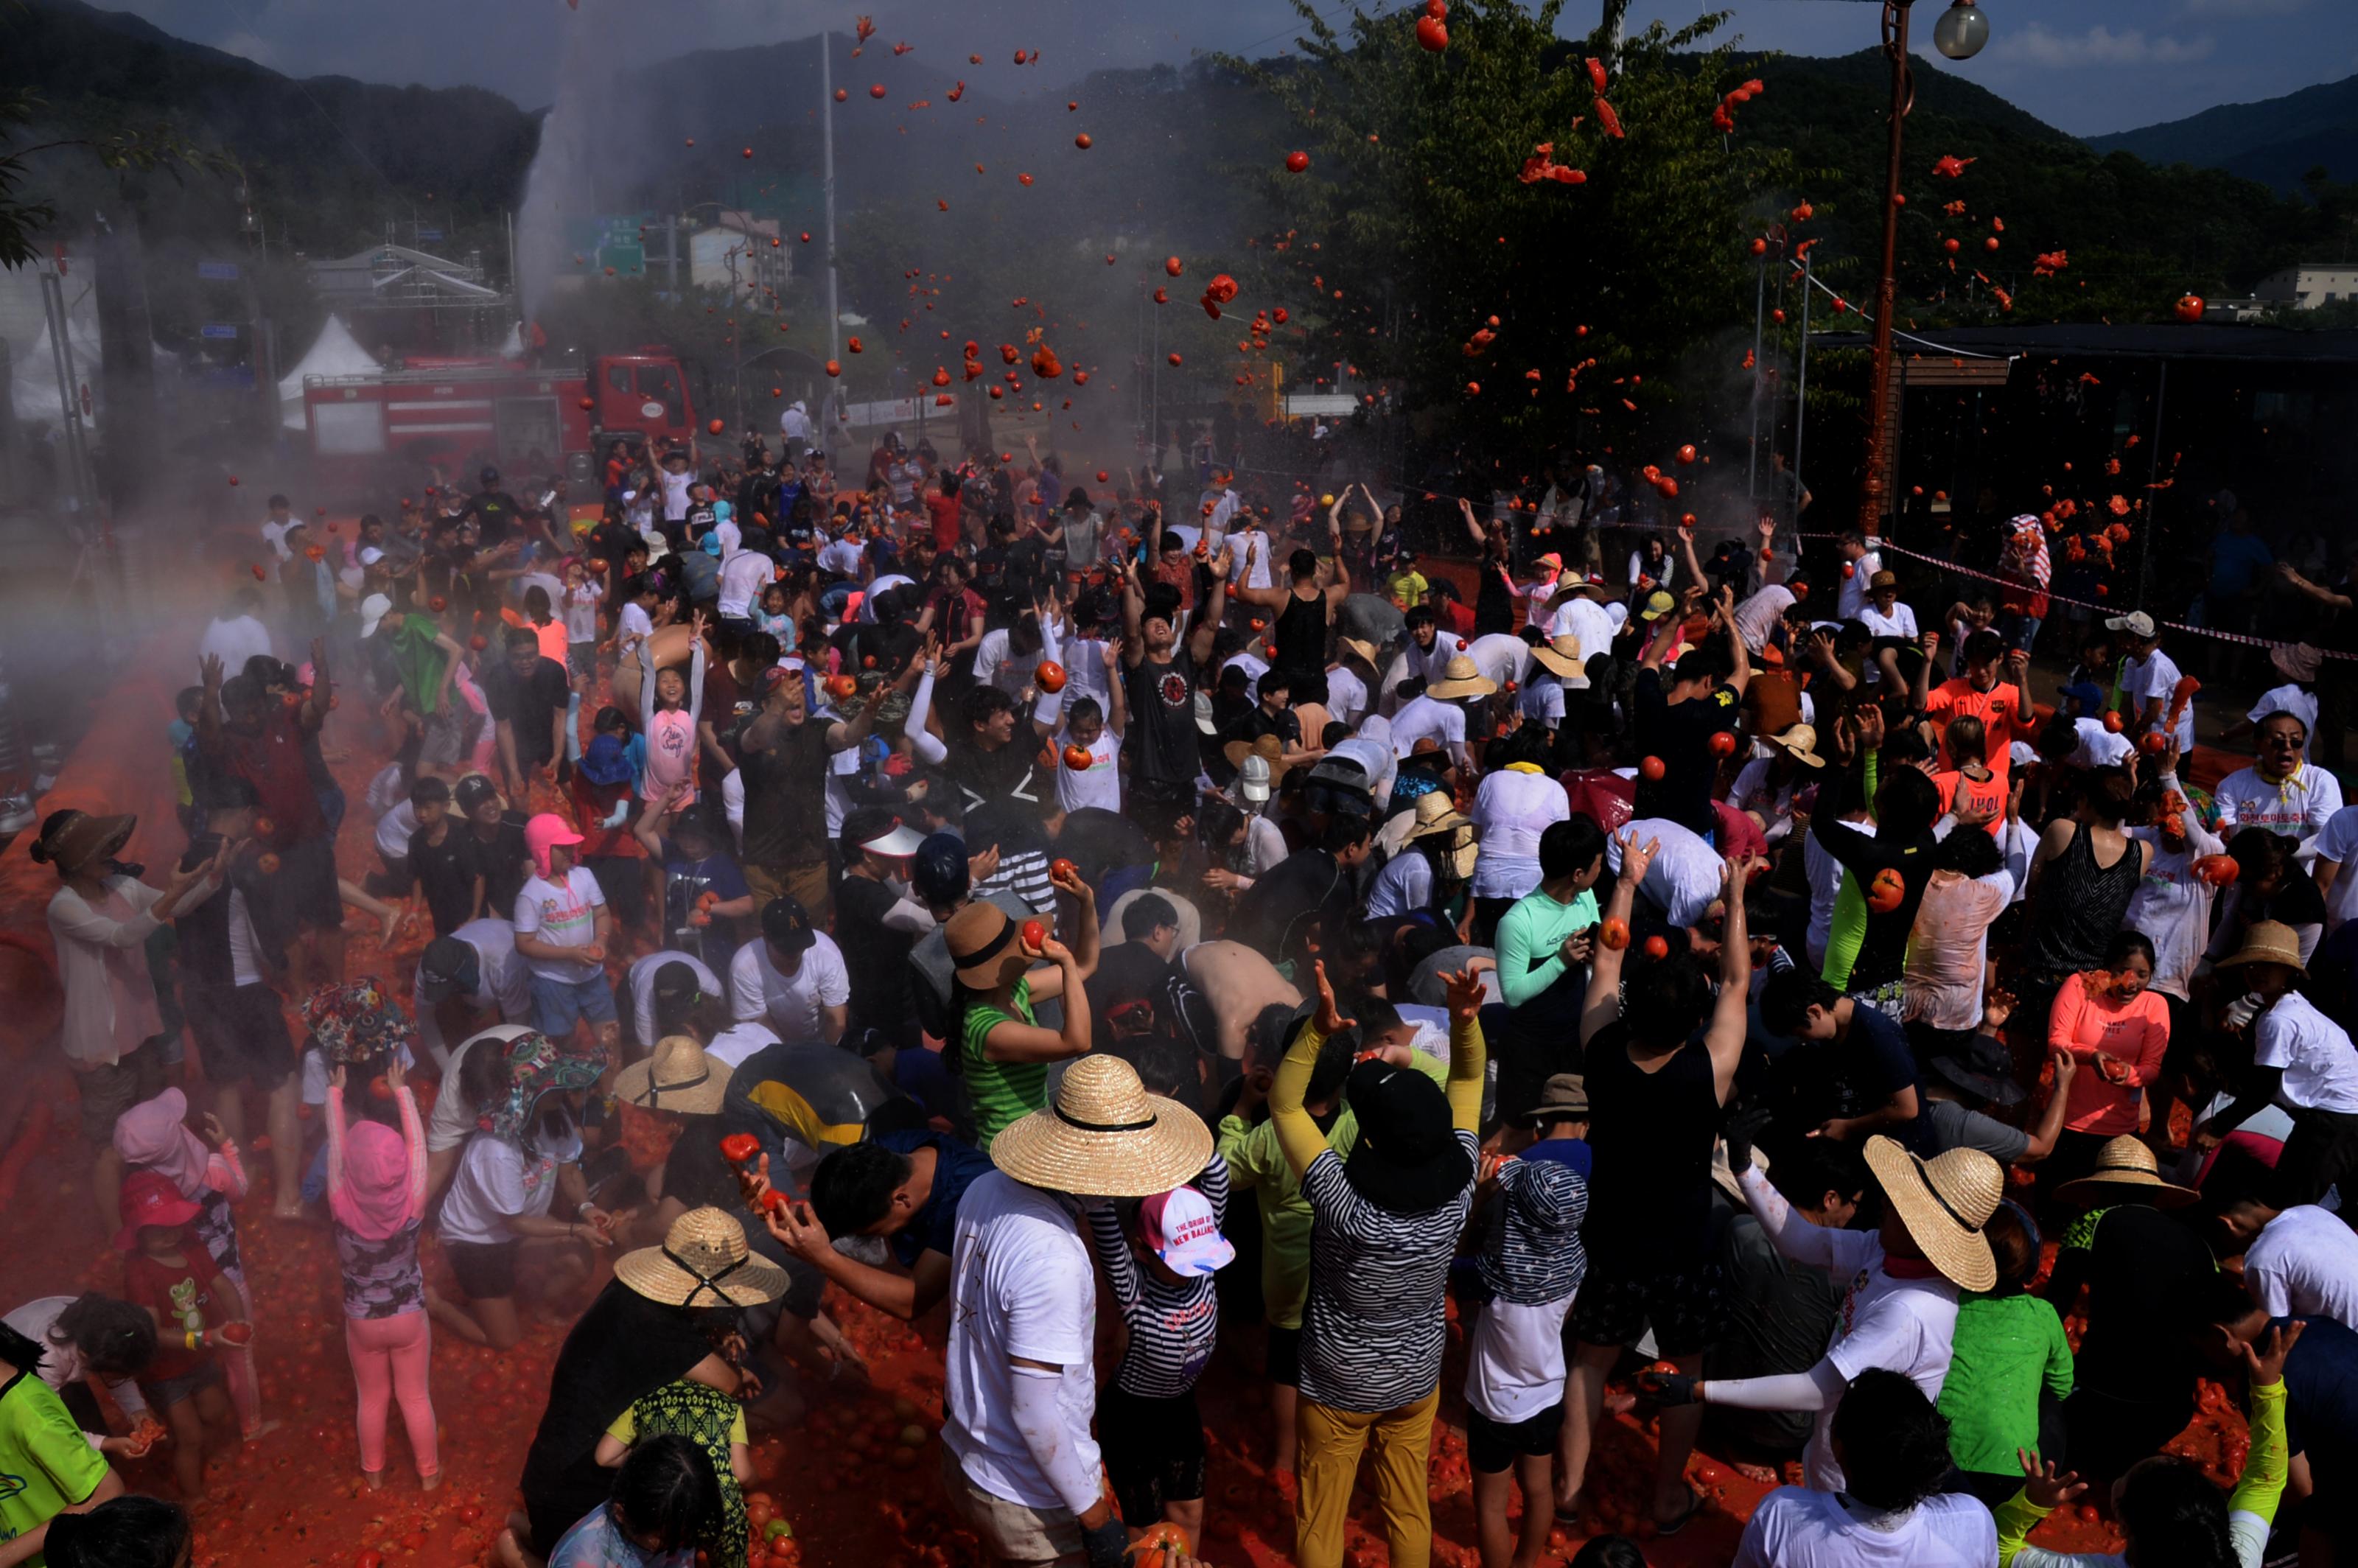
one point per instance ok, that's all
(335, 352)
(33, 373)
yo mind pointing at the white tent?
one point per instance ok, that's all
(334, 352)
(33, 371)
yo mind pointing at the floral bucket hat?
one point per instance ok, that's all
(538, 1066)
(355, 1021)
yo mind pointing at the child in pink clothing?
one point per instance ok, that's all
(376, 1195)
(154, 1135)
(669, 708)
(2118, 1032)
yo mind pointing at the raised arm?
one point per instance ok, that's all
(1297, 1132)
(1466, 1055)
(1602, 1004)
(1724, 1038)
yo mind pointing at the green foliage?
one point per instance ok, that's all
(120, 150)
(1413, 228)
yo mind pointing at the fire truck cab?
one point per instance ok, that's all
(385, 430)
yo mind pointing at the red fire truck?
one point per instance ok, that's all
(389, 429)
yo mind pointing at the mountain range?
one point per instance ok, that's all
(2277, 142)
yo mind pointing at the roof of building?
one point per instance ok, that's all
(2134, 340)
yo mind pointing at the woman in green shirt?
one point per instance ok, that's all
(1000, 1048)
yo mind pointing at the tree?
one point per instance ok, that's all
(142, 150)
(1432, 251)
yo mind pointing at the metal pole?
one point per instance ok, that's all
(53, 301)
(2144, 556)
(1801, 399)
(827, 185)
(1879, 410)
(1752, 453)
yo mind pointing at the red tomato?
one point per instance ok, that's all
(1614, 933)
(1431, 35)
(1658, 947)
(1296, 162)
(1887, 892)
(1723, 743)
(1078, 759)
(1035, 935)
(1060, 869)
(1651, 768)
(1050, 675)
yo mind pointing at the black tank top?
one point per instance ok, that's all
(1649, 1195)
(2082, 904)
(1301, 634)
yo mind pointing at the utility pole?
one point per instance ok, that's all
(827, 185)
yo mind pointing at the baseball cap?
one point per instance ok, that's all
(2136, 623)
(1252, 779)
(1184, 1233)
(488, 476)
(1658, 604)
(472, 791)
(374, 609)
(938, 873)
(786, 923)
(151, 1197)
(449, 967)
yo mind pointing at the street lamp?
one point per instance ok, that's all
(1962, 30)
(1960, 34)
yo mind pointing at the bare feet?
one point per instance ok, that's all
(1765, 1474)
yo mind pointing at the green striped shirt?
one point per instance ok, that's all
(999, 1092)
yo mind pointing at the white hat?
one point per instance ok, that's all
(2136, 623)
(369, 555)
(1184, 1232)
(373, 609)
(1252, 779)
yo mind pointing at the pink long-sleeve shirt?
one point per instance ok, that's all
(2135, 1034)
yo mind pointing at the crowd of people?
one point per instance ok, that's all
(1723, 985)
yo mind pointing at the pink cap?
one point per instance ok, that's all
(543, 833)
(1184, 1233)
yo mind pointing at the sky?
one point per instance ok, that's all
(2085, 66)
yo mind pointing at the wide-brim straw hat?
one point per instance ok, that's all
(2266, 942)
(1358, 647)
(678, 1076)
(1105, 1136)
(1799, 742)
(1561, 656)
(1945, 1202)
(1437, 818)
(1272, 750)
(703, 1262)
(2124, 1162)
(1461, 678)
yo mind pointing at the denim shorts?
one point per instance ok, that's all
(558, 1005)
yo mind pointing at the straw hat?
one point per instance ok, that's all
(1105, 1136)
(2124, 1162)
(980, 939)
(703, 1261)
(1800, 744)
(678, 1077)
(1461, 678)
(1562, 657)
(2266, 942)
(1945, 1202)
(1359, 648)
(1269, 748)
(1881, 581)
(1437, 816)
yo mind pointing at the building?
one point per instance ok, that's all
(401, 300)
(742, 255)
(2310, 285)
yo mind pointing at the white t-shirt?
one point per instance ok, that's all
(2172, 906)
(1853, 596)
(2098, 747)
(1424, 718)
(1021, 1285)
(1541, 699)
(1249, 566)
(1097, 784)
(842, 556)
(1501, 658)
(274, 532)
(795, 424)
(792, 1005)
(2338, 841)
(506, 983)
(497, 1182)
(2304, 1263)
(877, 589)
(2157, 676)
(1685, 874)
(578, 608)
(1513, 808)
(2297, 808)
(1900, 1325)
(1431, 664)
(453, 1119)
(738, 1041)
(1264, 844)
(1514, 1369)
(1794, 1527)
(562, 914)
(1347, 695)
(2321, 1067)
(1254, 667)
(743, 576)
(1582, 617)
(1901, 623)
(1759, 613)
(633, 626)
(234, 640)
(996, 665)
(1754, 792)
(1403, 887)
(640, 979)
(675, 494)
(394, 830)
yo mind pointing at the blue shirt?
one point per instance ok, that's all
(1572, 1151)
(2321, 1379)
(596, 1542)
(955, 1168)
(2236, 560)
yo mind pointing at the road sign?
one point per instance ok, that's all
(217, 272)
(218, 329)
(425, 234)
(615, 241)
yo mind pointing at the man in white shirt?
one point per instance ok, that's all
(2302, 1060)
(2279, 792)
(274, 527)
(2149, 677)
(1429, 648)
(652, 993)
(795, 424)
(743, 575)
(1250, 568)
(466, 982)
(676, 482)
(1757, 614)
(1685, 875)
(1347, 680)
(793, 976)
(236, 634)
(1860, 563)
(1579, 611)
(2297, 1263)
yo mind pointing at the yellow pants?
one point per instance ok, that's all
(1331, 1444)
